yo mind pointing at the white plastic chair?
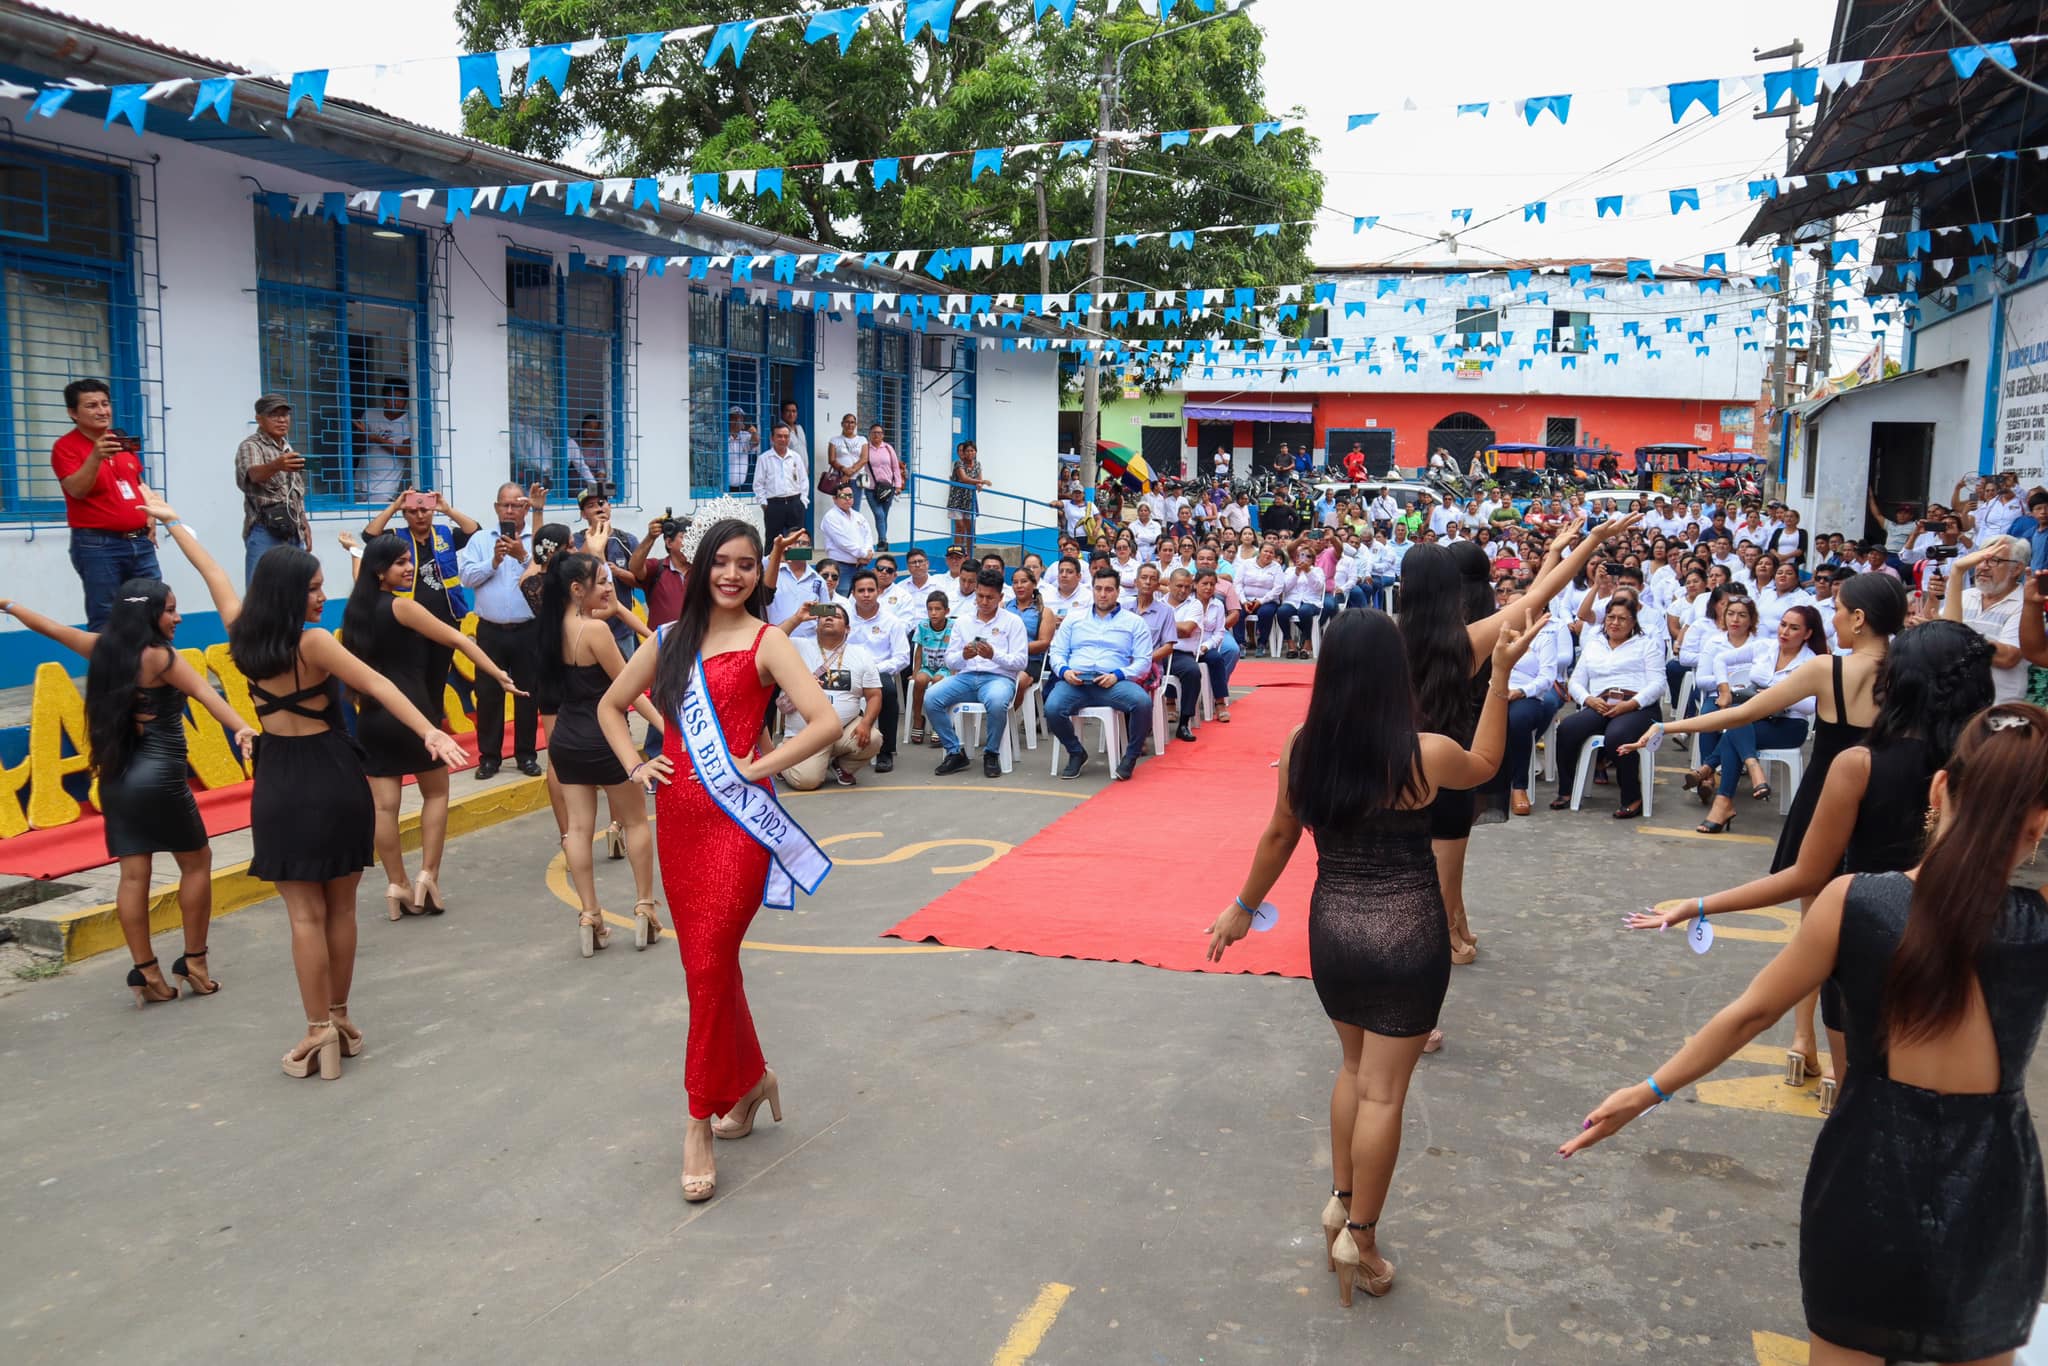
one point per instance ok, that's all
(1031, 715)
(1794, 761)
(1112, 723)
(1005, 754)
(1643, 756)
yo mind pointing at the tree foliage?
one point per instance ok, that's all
(1003, 79)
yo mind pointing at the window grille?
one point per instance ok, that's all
(742, 356)
(348, 328)
(567, 357)
(883, 374)
(78, 299)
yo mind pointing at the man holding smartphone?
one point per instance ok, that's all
(272, 478)
(100, 472)
(490, 566)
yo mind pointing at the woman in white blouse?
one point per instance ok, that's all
(1779, 593)
(1301, 602)
(1246, 552)
(1681, 619)
(1799, 629)
(1127, 564)
(848, 542)
(1618, 682)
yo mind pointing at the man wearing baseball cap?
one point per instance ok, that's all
(272, 478)
(742, 442)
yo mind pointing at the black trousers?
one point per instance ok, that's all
(892, 710)
(515, 649)
(781, 515)
(1581, 726)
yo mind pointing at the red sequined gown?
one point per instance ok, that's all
(713, 873)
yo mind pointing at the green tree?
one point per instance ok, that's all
(1003, 79)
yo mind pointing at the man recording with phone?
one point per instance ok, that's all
(490, 567)
(272, 478)
(437, 581)
(100, 472)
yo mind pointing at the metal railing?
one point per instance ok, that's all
(1006, 523)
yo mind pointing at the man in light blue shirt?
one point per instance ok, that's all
(2033, 529)
(490, 566)
(1097, 656)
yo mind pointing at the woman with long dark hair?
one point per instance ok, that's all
(721, 649)
(387, 630)
(1797, 633)
(1869, 816)
(1618, 682)
(311, 816)
(579, 657)
(136, 684)
(1360, 774)
(1924, 1223)
(1448, 626)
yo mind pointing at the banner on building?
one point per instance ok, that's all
(2023, 386)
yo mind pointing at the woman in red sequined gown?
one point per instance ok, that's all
(711, 869)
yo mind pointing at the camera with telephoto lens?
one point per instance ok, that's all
(672, 525)
(1943, 552)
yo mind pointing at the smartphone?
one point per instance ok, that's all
(130, 444)
(797, 552)
(508, 529)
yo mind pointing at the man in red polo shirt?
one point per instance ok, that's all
(101, 474)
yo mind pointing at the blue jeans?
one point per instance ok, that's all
(104, 561)
(1528, 717)
(258, 543)
(1260, 629)
(880, 499)
(1361, 595)
(1222, 663)
(1330, 604)
(1740, 744)
(995, 692)
(1294, 618)
(1127, 697)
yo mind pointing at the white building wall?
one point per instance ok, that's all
(1841, 442)
(209, 372)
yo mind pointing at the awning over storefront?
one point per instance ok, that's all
(1250, 412)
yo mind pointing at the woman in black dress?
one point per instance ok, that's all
(1924, 1223)
(1361, 775)
(398, 637)
(136, 684)
(579, 658)
(1448, 626)
(311, 817)
(1869, 818)
(1869, 610)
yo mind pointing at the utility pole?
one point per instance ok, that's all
(1780, 359)
(1091, 379)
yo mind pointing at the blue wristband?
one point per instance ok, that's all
(1651, 1082)
(1246, 909)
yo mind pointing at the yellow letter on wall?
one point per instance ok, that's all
(56, 709)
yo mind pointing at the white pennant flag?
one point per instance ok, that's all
(981, 258)
(614, 189)
(1290, 294)
(1147, 317)
(841, 303)
(362, 201)
(801, 298)
(305, 204)
(885, 300)
(1942, 266)
(546, 189)
(1210, 135)
(636, 263)
(1058, 303)
(487, 197)
(918, 163)
(1006, 301)
(836, 171)
(956, 303)
(1835, 75)
(739, 180)
(906, 260)
(422, 198)
(170, 87)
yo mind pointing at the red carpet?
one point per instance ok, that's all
(82, 844)
(1113, 882)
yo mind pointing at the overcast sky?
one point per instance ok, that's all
(1330, 57)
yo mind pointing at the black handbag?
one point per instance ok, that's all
(277, 519)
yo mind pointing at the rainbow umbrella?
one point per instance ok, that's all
(1124, 463)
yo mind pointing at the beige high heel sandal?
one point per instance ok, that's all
(700, 1186)
(1351, 1267)
(738, 1122)
(614, 841)
(351, 1037)
(325, 1045)
(426, 894)
(592, 932)
(646, 929)
(1334, 1216)
(397, 900)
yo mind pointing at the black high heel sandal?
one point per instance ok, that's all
(1715, 827)
(145, 991)
(179, 969)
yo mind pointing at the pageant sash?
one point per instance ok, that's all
(794, 858)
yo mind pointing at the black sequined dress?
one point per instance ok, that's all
(1924, 1227)
(1379, 947)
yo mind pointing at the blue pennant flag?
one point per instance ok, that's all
(1386, 287)
(1519, 278)
(334, 206)
(1013, 253)
(1168, 141)
(1841, 277)
(647, 193)
(1580, 274)
(1837, 179)
(1127, 239)
(1534, 211)
(1244, 297)
(1478, 108)
(704, 188)
(460, 200)
(1967, 59)
(125, 102)
(1984, 232)
(217, 95)
(1919, 241)
(391, 204)
(1845, 249)
(1612, 358)
(1607, 204)
(1673, 324)
(478, 71)
(1357, 121)
(937, 15)
(1763, 189)
(1539, 296)
(1560, 106)
(1685, 94)
(1065, 8)
(1079, 147)
(1463, 216)
(513, 200)
(742, 269)
(1783, 253)
(1417, 304)
(549, 65)
(1262, 131)
(1600, 291)
(1650, 288)
(1354, 308)
(988, 159)
(836, 23)
(767, 181)
(1919, 168)
(50, 101)
(1057, 251)
(1702, 350)
(1569, 362)
(1715, 260)
(1359, 225)
(1684, 199)
(884, 170)
(576, 196)
(1265, 230)
(1802, 83)
(642, 48)
(733, 35)
(306, 85)
(1525, 363)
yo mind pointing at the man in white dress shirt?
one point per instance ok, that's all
(1992, 608)
(907, 596)
(986, 652)
(854, 687)
(799, 590)
(782, 485)
(883, 634)
(1068, 593)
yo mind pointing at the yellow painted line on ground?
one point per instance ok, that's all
(1786, 918)
(1775, 1349)
(97, 929)
(996, 849)
(957, 789)
(557, 880)
(1769, 1093)
(1672, 832)
(1032, 1325)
